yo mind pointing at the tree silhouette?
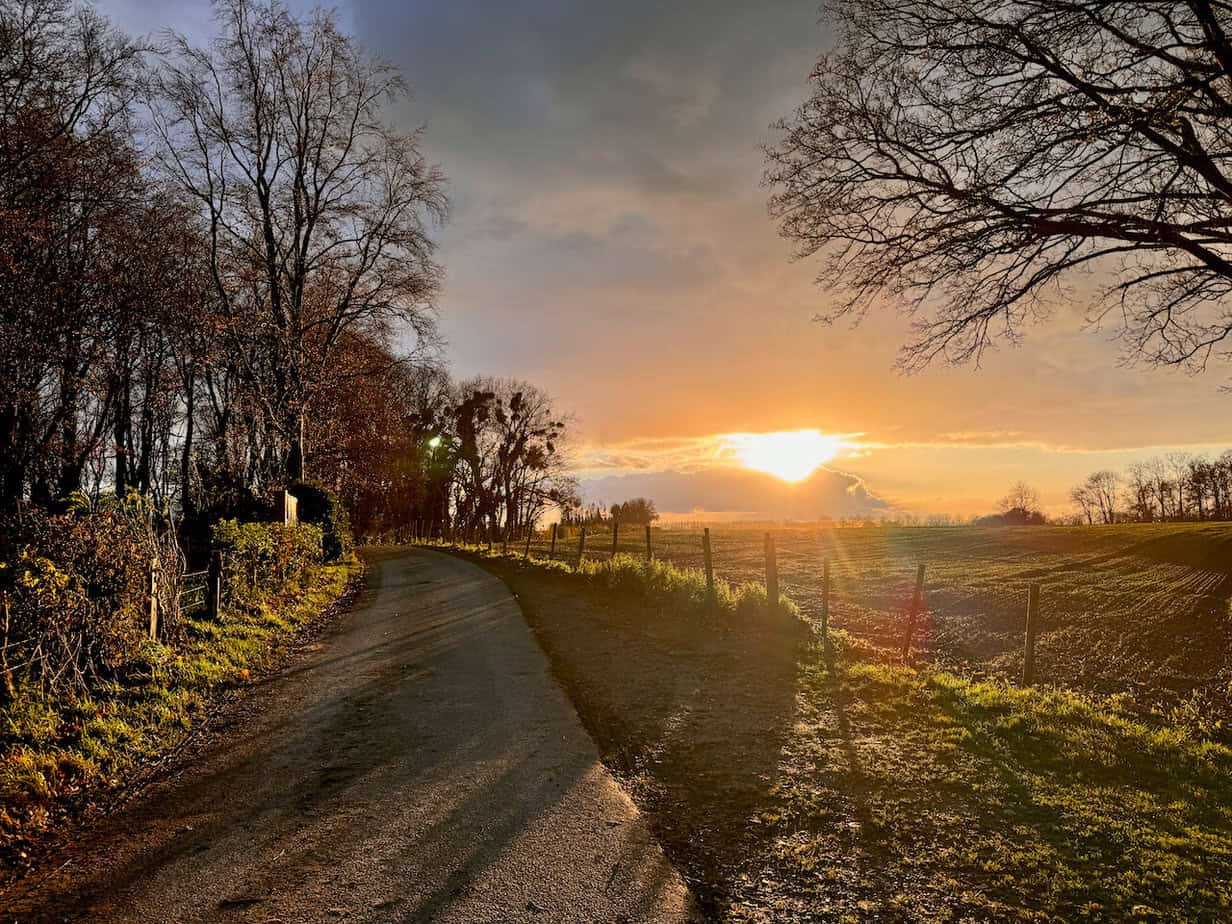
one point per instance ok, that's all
(967, 158)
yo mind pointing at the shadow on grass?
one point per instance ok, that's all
(834, 786)
(913, 796)
(691, 716)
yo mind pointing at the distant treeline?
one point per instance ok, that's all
(639, 511)
(1177, 487)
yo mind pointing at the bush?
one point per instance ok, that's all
(266, 558)
(76, 591)
(320, 507)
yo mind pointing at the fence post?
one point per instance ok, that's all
(709, 565)
(1028, 654)
(213, 586)
(917, 600)
(649, 548)
(581, 549)
(154, 599)
(825, 596)
(772, 577)
(552, 549)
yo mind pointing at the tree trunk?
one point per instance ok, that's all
(123, 433)
(12, 472)
(295, 455)
(190, 392)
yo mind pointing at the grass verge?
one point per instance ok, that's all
(805, 781)
(56, 754)
(681, 590)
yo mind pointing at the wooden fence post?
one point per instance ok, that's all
(825, 596)
(581, 549)
(1028, 654)
(552, 548)
(615, 534)
(772, 577)
(649, 547)
(213, 586)
(917, 601)
(709, 565)
(154, 598)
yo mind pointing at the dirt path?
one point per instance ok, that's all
(419, 764)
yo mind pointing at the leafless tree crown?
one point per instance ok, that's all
(318, 210)
(966, 157)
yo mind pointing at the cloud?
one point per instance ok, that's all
(739, 493)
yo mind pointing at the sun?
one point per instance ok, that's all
(791, 455)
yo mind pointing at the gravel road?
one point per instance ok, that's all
(418, 763)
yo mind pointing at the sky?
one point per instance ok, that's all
(609, 241)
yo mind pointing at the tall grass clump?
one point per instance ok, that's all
(681, 591)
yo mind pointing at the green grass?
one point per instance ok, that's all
(922, 794)
(52, 751)
(679, 589)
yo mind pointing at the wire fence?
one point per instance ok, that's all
(1106, 615)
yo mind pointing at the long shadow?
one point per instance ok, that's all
(692, 716)
(399, 759)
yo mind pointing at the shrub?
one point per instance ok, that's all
(266, 558)
(76, 591)
(320, 507)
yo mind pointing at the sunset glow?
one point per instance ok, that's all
(791, 455)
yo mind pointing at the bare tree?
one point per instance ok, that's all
(1084, 501)
(1102, 487)
(966, 158)
(1140, 492)
(509, 450)
(318, 210)
(1020, 497)
(1178, 468)
(68, 178)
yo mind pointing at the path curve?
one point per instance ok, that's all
(418, 764)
